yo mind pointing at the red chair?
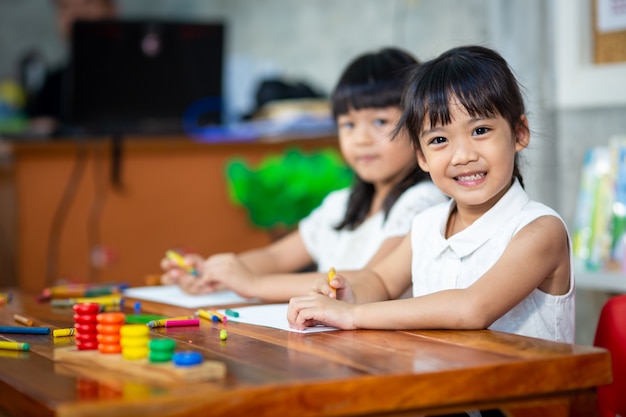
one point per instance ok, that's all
(611, 335)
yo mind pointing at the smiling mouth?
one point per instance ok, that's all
(367, 158)
(473, 177)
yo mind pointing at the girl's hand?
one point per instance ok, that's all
(338, 287)
(225, 270)
(311, 310)
(173, 273)
(191, 284)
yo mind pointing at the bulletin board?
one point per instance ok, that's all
(608, 46)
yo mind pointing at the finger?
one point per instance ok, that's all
(167, 279)
(296, 310)
(293, 309)
(306, 318)
(165, 264)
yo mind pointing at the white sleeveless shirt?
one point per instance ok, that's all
(352, 249)
(439, 263)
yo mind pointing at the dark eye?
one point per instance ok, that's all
(346, 125)
(380, 122)
(481, 131)
(438, 140)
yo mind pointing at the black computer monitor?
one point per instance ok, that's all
(145, 76)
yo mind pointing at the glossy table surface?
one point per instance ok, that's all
(272, 372)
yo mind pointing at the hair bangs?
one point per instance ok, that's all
(374, 95)
(474, 90)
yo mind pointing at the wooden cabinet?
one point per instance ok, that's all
(71, 220)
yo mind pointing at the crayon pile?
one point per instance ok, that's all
(86, 324)
(109, 325)
(73, 291)
(134, 341)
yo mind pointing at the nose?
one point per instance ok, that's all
(464, 152)
(363, 135)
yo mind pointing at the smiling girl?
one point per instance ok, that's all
(491, 258)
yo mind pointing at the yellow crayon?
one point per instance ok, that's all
(204, 314)
(14, 345)
(104, 300)
(211, 315)
(180, 261)
(331, 275)
(64, 332)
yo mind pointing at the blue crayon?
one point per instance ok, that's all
(24, 330)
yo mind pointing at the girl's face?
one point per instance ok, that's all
(471, 159)
(366, 145)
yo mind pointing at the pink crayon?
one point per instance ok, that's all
(179, 323)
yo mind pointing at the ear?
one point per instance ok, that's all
(522, 134)
(421, 160)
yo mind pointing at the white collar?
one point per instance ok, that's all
(479, 232)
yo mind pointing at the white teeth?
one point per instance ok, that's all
(470, 177)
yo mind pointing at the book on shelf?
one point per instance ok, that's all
(599, 235)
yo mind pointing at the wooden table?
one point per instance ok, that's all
(279, 373)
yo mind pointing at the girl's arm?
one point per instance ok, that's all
(386, 276)
(255, 273)
(537, 257)
(386, 280)
(280, 287)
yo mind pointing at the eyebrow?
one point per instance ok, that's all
(431, 130)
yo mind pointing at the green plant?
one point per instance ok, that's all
(285, 188)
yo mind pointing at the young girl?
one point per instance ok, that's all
(490, 257)
(352, 227)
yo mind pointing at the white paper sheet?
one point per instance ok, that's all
(271, 315)
(173, 295)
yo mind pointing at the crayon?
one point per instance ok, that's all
(219, 315)
(232, 313)
(180, 323)
(161, 322)
(24, 330)
(14, 345)
(81, 290)
(108, 300)
(180, 261)
(211, 315)
(331, 275)
(5, 297)
(64, 332)
(22, 320)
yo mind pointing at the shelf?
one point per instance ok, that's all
(601, 281)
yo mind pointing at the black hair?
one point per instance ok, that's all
(477, 76)
(373, 80)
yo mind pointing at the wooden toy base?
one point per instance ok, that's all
(165, 372)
